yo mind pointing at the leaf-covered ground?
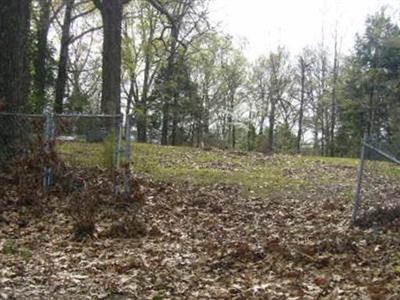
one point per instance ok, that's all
(285, 236)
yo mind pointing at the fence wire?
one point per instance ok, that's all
(89, 140)
(77, 140)
(377, 197)
(20, 135)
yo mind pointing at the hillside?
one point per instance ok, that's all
(215, 225)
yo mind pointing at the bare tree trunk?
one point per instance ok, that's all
(231, 127)
(142, 123)
(111, 12)
(141, 111)
(165, 123)
(323, 133)
(316, 143)
(171, 94)
(233, 136)
(251, 134)
(205, 120)
(142, 106)
(370, 124)
(261, 124)
(112, 18)
(334, 100)
(14, 65)
(41, 55)
(129, 101)
(301, 109)
(271, 128)
(174, 121)
(199, 129)
(62, 75)
(14, 68)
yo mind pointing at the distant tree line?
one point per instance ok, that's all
(187, 83)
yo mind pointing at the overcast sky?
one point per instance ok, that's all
(265, 24)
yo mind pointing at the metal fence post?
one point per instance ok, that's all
(128, 146)
(119, 138)
(48, 135)
(128, 153)
(360, 172)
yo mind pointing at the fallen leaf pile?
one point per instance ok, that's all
(193, 242)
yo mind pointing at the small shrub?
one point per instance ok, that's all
(158, 296)
(82, 209)
(261, 143)
(9, 247)
(285, 140)
(127, 227)
(25, 253)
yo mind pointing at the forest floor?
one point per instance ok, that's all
(215, 225)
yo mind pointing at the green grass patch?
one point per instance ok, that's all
(254, 173)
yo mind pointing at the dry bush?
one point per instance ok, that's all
(26, 169)
(128, 226)
(93, 192)
(135, 198)
(380, 217)
(83, 208)
(86, 190)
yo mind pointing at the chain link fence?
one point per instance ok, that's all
(377, 195)
(77, 140)
(20, 135)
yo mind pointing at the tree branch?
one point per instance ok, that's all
(158, 6)
(56, 11)
(74, 38)
(83, 14)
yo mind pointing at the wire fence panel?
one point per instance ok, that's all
(20, 135)
(377, 197)
(89, 140)
(75, 140)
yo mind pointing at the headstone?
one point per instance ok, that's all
(96, 135)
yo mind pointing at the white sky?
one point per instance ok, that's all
(265, 24)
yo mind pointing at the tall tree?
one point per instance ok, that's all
(14, 71)
(14, 65)
(141, 61)
(62, 75)
(371, 83)
(233, 76)
(174, 14)
(182, 21)
(335, 75)
(74, 10)
(304, 66)
(111, 12)
(279, 80)
(259, 90)
(41, 54)
(206, 72)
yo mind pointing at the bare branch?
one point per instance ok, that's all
(74, 38)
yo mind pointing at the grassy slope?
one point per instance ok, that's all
(255, 173)
(208, 240)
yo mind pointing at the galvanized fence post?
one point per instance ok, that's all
(128, 153)
(128, 145)
(360, 172)
(119, 141)
(48, 135)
